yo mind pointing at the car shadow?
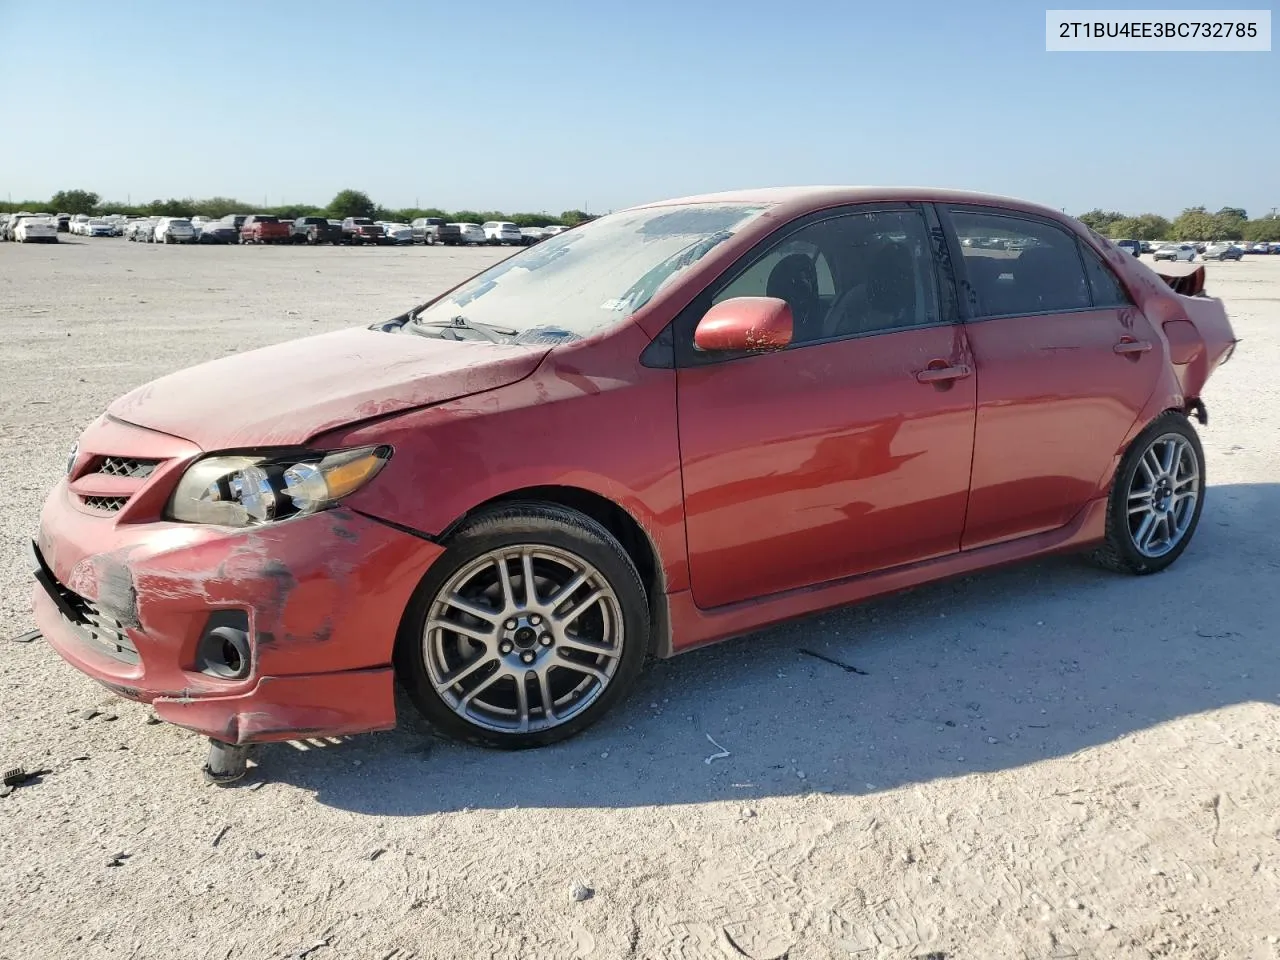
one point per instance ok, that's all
(978, 674)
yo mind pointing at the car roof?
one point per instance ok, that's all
(795, 201)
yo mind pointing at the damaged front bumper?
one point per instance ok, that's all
(320, 598)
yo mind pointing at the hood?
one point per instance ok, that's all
(289, 393)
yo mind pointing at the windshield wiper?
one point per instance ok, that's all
(489, 331)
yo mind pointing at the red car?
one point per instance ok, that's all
(675, 424)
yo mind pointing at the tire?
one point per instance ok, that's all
(518, 642)
(1132, 489)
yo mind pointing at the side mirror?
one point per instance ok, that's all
(753, 324)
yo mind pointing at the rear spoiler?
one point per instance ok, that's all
(1182, 277)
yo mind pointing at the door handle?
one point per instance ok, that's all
(944, 374)
(1129, 345)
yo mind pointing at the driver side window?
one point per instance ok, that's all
(848, 275)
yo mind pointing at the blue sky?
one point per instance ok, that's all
(558, 104)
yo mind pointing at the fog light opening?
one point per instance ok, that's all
(225, 653)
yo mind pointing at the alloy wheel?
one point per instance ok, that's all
(523, 638)
(1163, 495)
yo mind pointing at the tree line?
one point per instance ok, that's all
(1194, 223)
(347, 203)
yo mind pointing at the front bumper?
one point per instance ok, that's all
(127, 603)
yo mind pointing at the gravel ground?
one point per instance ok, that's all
(1044, 761)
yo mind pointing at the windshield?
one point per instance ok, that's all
(591, 277)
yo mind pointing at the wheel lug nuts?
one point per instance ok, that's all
(505, 647)
(545, 639)
(527, 656)
(535, 619)
(510, 624)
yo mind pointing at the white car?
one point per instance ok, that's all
(174, 230)
(398, 233)
(552, 230)
(471, 232)
(501, 232)
(1176, 251)
(531, 235)
(198, 224)
(78, 224)
(99, 228)
(36, 230)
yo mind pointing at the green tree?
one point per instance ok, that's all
(1150, 226)
(1194, 223)
(74, 201)
(1100, 220)
(571, 218)
(352, 203)
(1267, 228)
(1237, 212)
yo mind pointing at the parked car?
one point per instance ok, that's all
(1258, 247)
(99, 228)
(263, 228)
(1176, 251)
(425, 228)
(174, 230)
(467, 234)
(64, 222)
(554, 230)
(315, 230)
(502, 232)
(361, 230)
(415, 500)
(136, 230)
(1146, 246)
(236, 220)
(1130, 246)
(532, 235)
(14, 220)
(36, 229)
(77, 224)
(400, 234)
(219, 232)
(1222, 251)
(198, 223)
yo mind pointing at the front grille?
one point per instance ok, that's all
(126, 467)
(107, 504)
(104, 631)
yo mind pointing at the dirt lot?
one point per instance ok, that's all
(1048, 761)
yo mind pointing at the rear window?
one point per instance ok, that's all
(1015, 266)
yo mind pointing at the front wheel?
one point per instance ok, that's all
(526, 631)
(1156, 498)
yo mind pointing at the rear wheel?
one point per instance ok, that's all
(1156, 499)
(526, 631)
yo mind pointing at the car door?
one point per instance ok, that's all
(1065, 364)
(848, 451)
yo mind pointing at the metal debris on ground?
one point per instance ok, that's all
(27, 637)
(18, 777)
(846, 667)
(716, 756)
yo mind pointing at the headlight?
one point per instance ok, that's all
(246, 490)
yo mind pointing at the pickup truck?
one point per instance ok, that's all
(263, 229)
(361, 230)
(314, 230)
(426, 228)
